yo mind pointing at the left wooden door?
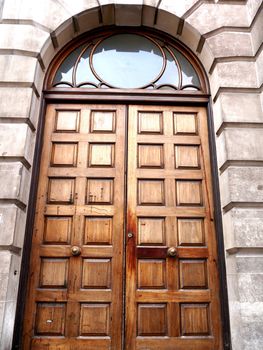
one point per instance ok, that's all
(74, 303)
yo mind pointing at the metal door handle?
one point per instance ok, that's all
(172, 252)
(75, 251)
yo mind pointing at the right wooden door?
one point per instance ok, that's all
(172, 289)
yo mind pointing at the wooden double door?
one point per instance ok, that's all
(124, 251)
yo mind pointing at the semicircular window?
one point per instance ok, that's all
(127, 61)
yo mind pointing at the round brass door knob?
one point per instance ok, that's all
(171, 252)
(75, 251)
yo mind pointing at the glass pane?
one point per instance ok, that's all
(190, 88)
(64, 73)
(127, 61)
(89, 86)
(83, 71)
(63, 85)
(188, 73)
(166, 87)
(170, 75)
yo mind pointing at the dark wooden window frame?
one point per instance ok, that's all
(123, 96)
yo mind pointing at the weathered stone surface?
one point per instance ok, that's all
(231, 44)
(252, 7)
(250, 263)
(12, 276)
(47, 12)
(48, 52)
(15, 102)
(190, 36)
(12, 226)
(75, 7)
(15, 68)
(211, 16)
(243, 227)
(1, 7)
(5, 258)
(16, 140)
(2, 310)
(177, 8)
(235, 323)
(8, 325)
(39, 78)
(148, 14)
(14, 179)
(231, 107)
(250, 287)
(167, 22)
(256, 32)
(235, 74)
(242, 185)
(206, 57)
(259, 64)
(153, 3)
(65, 33)
(89, 20)
(128, 15)
(22, 37)
(242, 144)
(251, 325)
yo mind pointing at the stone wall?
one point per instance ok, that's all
(227, 37)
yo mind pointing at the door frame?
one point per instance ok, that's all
(121, 96)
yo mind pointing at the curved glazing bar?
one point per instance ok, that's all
(83, 71)
(65, 70)
(189, 75)
(127, 61)
(170, 75)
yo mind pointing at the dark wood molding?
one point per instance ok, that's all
(125, 96)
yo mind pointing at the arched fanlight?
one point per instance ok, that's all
(127, 61)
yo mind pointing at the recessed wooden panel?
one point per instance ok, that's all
(53, 273)
(195, 320)
(151, 192)
(61, 191)
(94, 319)
(152, 319)
(151, 231)
(189, 192)
(98, 230)
(67, 121)
(57, 229)
(185, 123)
(101, 155)
(191, 231)
(100, 191)
(96, 273)
(151, 273)
(102, 121)
(150, 156)
(187, 157)
(193, 273)
(64, 154)
(50, 319)
(150, 123)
